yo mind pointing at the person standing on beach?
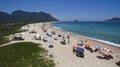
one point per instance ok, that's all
(68, 39)
(70, 33)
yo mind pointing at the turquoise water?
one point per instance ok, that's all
(107, 31)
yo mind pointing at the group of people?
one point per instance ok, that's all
(57, 36)
(78, 49)
(66, 40)
(93, 48)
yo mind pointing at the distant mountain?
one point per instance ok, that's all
(22, 16)
(4, 16)
(114, 19)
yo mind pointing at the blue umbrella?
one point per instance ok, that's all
(79, 50)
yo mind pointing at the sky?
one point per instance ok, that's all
(84, 10)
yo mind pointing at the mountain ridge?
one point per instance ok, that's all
(24, 16)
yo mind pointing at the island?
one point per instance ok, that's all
(114, 19)
(76, 20)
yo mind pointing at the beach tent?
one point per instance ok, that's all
(55, 37)
(79, 50)
(17, 36)
(37, 36)
(49, 33)
(45, 38)
(50, 43)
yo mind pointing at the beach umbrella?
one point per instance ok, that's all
(79, 50)
(75, 46)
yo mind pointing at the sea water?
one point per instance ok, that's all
(108, 32)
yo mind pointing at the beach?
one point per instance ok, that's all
(63, 54)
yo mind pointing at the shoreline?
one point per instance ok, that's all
(113, 46)
(90, 38)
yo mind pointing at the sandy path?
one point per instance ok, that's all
(63, 56)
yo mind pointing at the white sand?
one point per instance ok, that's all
(63, 55)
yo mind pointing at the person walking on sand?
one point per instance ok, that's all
(68, 39)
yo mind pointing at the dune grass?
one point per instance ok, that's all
(8, 29)
(24, 54)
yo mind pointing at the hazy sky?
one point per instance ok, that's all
(67, 9)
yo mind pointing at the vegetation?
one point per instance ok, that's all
(24, 54)
(7, 29)
(22, 16)
(19, 18)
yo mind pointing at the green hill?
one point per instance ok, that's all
(23, 16)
